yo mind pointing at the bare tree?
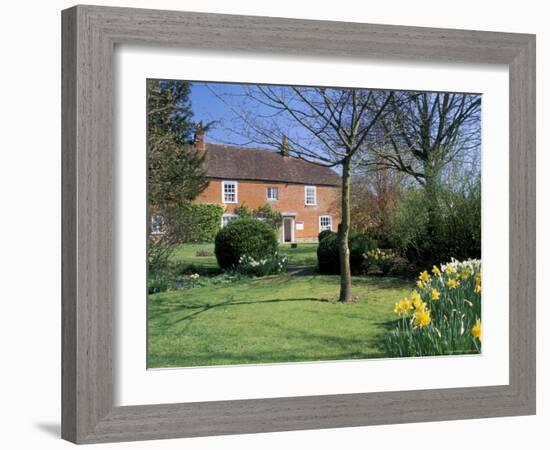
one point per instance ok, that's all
(425, 132)
(325, 126)
(430, 135)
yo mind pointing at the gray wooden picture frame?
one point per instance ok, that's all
(90, 34)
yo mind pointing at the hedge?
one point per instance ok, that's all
(194, 222)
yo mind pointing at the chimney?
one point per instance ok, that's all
(199, 137)
(284, 146)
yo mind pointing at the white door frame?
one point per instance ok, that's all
(292, 225)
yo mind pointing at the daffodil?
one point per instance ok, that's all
(435, 294)
(422, 318)
(416, 299)
(476, 330)
(478, 278)
(436, 271)
(424, 276)
(477, 289)
(450, 269)
(452, 283)
(420, 284)
(403, 307)
(465, 274)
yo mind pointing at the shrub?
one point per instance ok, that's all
(158, 282)
(243, 237)
(323, 234)
(193, 222)
(195, 280)
(265, 213)
(328, 255)
(262, 267)
(442, 316)
(378, 259)
(452, 229)
(158, 254)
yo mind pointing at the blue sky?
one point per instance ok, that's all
(207, 107)
(211, 102)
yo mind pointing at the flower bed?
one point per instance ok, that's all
(442, 316)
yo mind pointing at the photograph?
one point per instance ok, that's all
(291, 224)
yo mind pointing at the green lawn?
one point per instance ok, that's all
(305, 255)
(274, 319)
(285, 318)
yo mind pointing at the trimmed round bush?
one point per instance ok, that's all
(242, 237)
(323, 234)
(328, 255)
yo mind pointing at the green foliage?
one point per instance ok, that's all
(265, 213)
(323, 234)
(169, 108)
(158, 254)
(328, 255)
(381, 260)
(175, 169)
(158, 282)
(435, 227)
(193, 222)
(242, 211)
(195, 280)
(244, 237)
(262, 267)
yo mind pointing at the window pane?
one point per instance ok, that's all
(310, 195)
(229, 192)
(272, 193)
(325, 223)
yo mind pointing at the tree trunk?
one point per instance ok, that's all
(343, 235)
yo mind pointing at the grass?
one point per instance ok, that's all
(284, 318)
(305, 255)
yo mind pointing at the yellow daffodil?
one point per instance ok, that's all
(436, 271)
(450, 269)
(403, 307)
(424, 277)
(420, 284)
(477, 289)
(476, 329)
(435, 294)
(478, 278)
(416, 299)
(422, 318)
(465, 274)
(452, 283)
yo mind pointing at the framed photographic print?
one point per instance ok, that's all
(267, 230)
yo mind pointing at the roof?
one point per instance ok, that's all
(241, 163)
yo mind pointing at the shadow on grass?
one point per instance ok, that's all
(202, 308)
(379, 341)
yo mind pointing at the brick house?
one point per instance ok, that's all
(307, 195)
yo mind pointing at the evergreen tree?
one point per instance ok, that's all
(176, 173)
(175, 168)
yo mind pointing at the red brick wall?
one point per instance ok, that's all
(291, 200)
